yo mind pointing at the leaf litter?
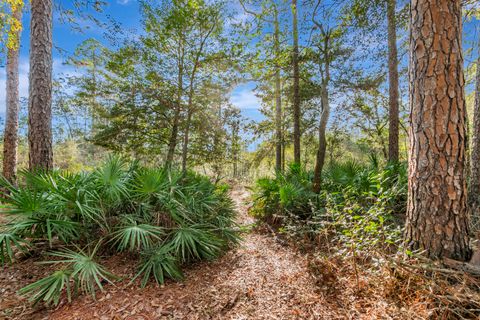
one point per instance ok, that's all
(262, 278)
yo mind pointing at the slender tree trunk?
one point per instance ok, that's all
(10, 140)
(278, 98)
(172, 144)
(392, 82)
(322, 140)
(190, 108)
(235, 151)
(474, 188)
(322, 146)
(40, 88)
(186, 140)
(296, 87)
(437, 220)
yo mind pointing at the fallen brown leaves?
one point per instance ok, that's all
(261, 279)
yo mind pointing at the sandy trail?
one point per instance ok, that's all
(258, 280)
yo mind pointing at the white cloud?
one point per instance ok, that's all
(123, 2)
(244, 98)
(58, 68)
(23, 83)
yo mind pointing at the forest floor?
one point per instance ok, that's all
(260, 279)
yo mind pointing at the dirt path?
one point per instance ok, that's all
(260, 279)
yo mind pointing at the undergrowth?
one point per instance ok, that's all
(352, 234)
(163, 217)
(358, 206)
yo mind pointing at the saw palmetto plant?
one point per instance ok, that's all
(164, 217)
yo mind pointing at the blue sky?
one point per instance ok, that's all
(126, 12)
(66, 39)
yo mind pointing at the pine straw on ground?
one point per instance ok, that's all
(261, 279)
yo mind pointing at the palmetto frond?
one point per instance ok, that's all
(131, 235)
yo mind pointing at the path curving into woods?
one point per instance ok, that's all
(259, 279)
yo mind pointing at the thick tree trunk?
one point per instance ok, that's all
(392, 82)
(474, 188)
(278, 99)
(437, 220)
(10, 140)
(296, 87)
(40, 87)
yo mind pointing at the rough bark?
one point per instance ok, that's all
(437, 220)
(296, 87)
(278, 98)
(10, 139)
(186, 138)
(235, 150)
(474, 188)
(40, 86)
(172, 143)
(322, 141)
(322, 146)
(392, 82)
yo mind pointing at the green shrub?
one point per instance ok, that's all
(166, 217)
(356, 207)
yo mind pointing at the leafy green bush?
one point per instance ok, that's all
(357, 206)
(165, 217)
(288, 193)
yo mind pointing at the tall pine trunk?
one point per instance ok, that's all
(278, 98)
(322, 146)
(474, 188)
(437, 220)
(392, 82)
(324, 99)
(296, 87)
(40, 86)
(10, 139)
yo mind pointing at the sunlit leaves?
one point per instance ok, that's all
(49, 289)
(159, 263)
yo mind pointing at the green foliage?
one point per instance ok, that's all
(166, 217)
(195, 242)
(289, 192)
(357, 206)
(133, 236)
(9, 241)
(49, 289)
(86, 272)
(159, 263)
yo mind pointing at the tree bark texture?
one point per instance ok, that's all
(437, 220)
(392, 82)
(324, 99)
(474, 188)
(322, 146)
(172, 143)
(278, 99)
(296, 87)
(186, 140)
(40, 86)
(10, 139)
